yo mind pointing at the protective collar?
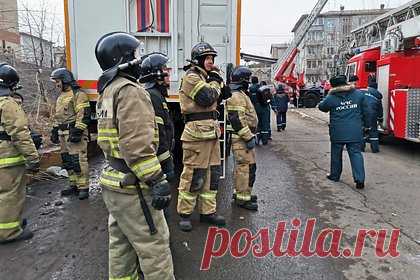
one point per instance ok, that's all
(5, 92)
(161, 88)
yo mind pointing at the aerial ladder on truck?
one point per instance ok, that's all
(389, 49)
(283, 70)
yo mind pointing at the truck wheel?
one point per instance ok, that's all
(311, 100)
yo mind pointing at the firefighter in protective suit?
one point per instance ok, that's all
(200, 90)
(243, 121)
(155, 77)
(71, 120)
(133, 179)
(17, 155)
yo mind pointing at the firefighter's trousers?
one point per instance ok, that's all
(130, 244)
(200, 178)
(12, 198)
(245, 169)
(74, 158)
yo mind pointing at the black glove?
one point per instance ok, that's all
(169, 169)
(214, 76)
(161, 195)
(226, 92)
(54, 136)
(250, 144)
(75, 135)
(33, 167)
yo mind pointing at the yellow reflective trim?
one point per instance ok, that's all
(146, 167)
(108, 138)
(229, 128)
(9, 225)
(12, 160)
(159, 120)
(165, 106)
(82, 106)
(236, 108)
(114, 174)
(186, 196)
(108, 130)
(197, 88)
(210, 195)
(164, 156)
(81, 125)
(243, 196)
(244, 131)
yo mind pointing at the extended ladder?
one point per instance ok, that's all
(300, 36)
(372, 33)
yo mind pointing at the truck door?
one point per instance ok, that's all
(214, 24)
(213, 28)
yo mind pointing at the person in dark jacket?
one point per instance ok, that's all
(253, 89)
(349, 110)
(155, 77)
(280, 104)
(374, 99)
(267, 112)
(263, 113)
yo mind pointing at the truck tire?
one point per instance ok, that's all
(311, 100)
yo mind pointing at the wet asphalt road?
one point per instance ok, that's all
(71, 238)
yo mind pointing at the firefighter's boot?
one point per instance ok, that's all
(185, 223)
(248, 205)
(25, 235)
(72, 190)
(213, 219)
(83, 194)
(360, 185)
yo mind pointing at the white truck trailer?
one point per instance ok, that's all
(168, 26)
(172, 27)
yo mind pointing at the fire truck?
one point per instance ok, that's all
(389, 48)
(171, 27)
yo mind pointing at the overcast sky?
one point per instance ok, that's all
(264, 21)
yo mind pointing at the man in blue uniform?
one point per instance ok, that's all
(374, 99)
(348, 110)
(253, 91)
(263, 113)
(280, 104)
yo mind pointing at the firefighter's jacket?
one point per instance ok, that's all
(242, 116)
(374, 99)
(16, 145)
(72, 109)
(164, 123)
(127, 133)
(199, 96)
